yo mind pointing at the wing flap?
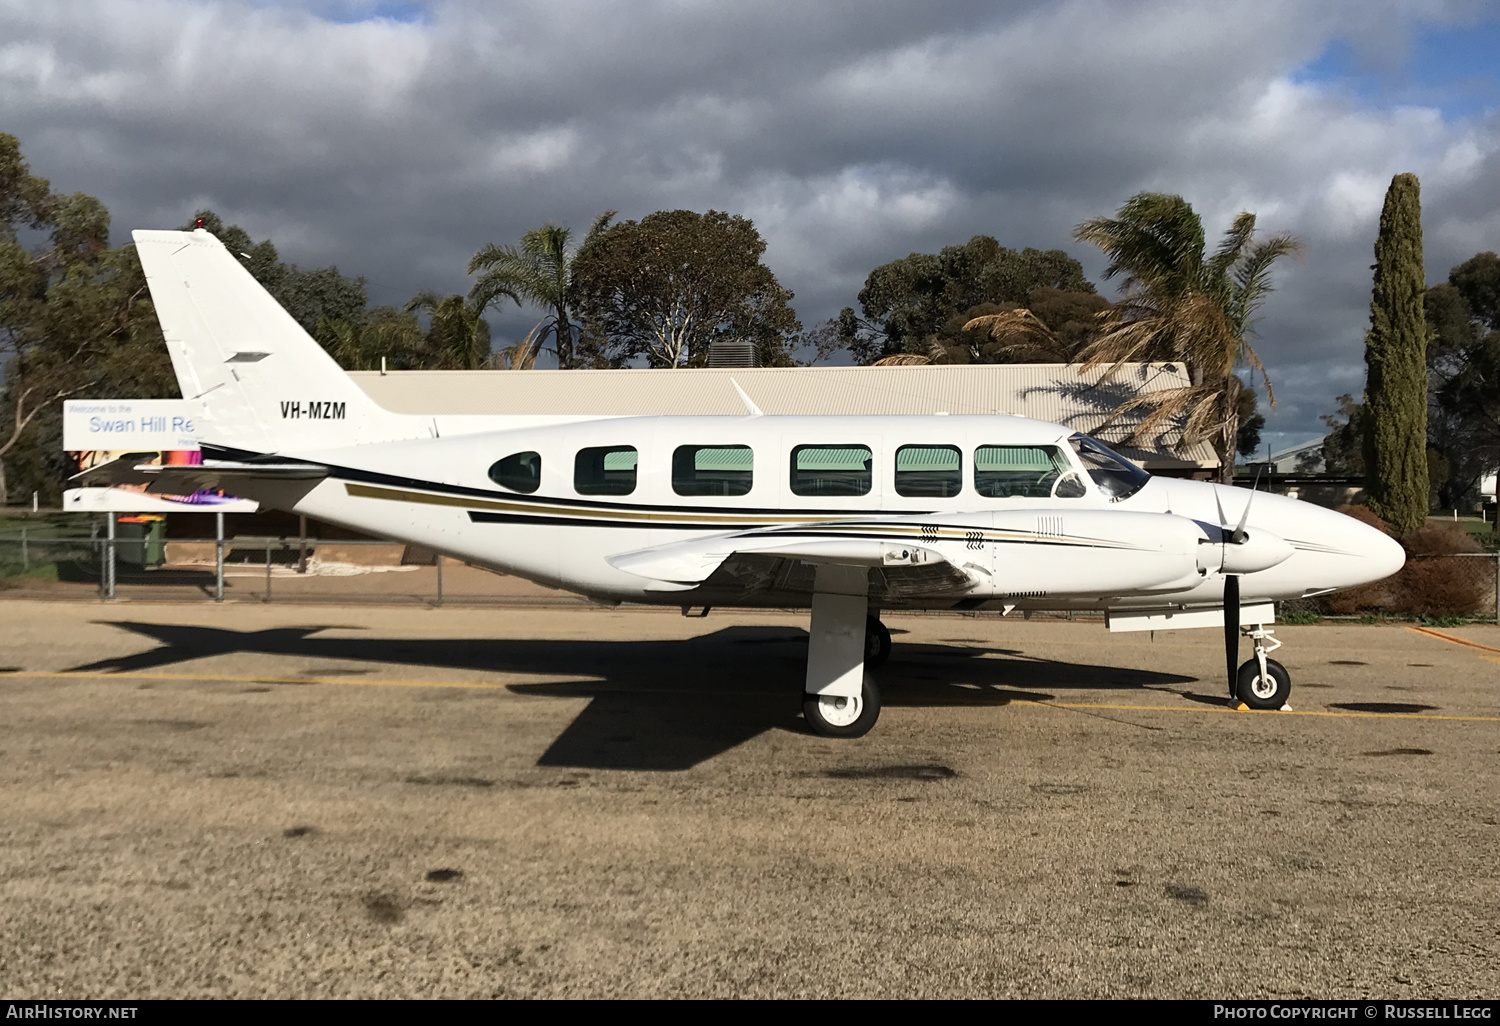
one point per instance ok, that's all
(752, 560)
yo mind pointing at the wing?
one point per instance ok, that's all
(752, 556)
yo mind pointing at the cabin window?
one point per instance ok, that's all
(831, 470)
(605, 470)
(929, 471)
(712, 469)
(1022, 472)
(1114, 475)
(520, 471)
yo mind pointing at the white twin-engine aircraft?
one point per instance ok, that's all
(848, 515)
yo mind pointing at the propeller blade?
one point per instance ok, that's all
(1238, 535)
(1231, 628)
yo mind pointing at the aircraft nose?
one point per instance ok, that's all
(1381, 555)
(1383, 552)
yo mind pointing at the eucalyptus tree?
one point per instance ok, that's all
(75, 320)
(912, 303)
(538, 272)
(668, 286)
(1180, 303)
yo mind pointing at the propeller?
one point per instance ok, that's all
(1232, 590)
(1231, 628)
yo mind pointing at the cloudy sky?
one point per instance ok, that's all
(394, 139)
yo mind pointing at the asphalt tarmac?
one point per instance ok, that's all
(325, 801)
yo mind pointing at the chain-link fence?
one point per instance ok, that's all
(1455, 584)
(50, 557)
(39, 562)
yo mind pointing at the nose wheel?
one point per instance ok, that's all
(1268, 689)
(1261, 682)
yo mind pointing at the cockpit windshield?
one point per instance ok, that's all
(1116, 476)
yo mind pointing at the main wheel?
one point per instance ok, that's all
(837, 716)
(877, 642)
(1268, 692)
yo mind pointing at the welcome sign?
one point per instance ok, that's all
(128, 425)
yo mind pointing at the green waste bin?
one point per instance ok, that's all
(141, 544)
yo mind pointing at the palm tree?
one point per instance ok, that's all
(1179, 304)
(539, 272)
(457, 335)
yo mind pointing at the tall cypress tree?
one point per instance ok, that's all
(1396, 360)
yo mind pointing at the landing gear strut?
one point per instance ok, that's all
(839, 699)
(1262, 683)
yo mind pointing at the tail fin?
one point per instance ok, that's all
(260, 381)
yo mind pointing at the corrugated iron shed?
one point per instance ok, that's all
(1060, 393)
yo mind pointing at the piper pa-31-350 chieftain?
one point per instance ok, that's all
(848, 515)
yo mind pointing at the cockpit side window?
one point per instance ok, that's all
(520, 472)
(1114, 475)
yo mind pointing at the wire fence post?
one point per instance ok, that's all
(440, 578)
(268, 571)
(109, 557)
(25, 552)
(219, 557)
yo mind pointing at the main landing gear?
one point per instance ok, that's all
(877, 642)
(1262, 683)
(844, 640)
(840, 716)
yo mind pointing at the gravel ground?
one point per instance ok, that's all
(331, 801)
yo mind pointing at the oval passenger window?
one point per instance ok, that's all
(520, 472)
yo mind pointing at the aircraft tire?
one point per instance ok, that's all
(1263, 694)
(877, 642)
(827, 718)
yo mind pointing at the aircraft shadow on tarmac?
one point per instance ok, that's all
(661, 705)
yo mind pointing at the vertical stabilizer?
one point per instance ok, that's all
(260, 381)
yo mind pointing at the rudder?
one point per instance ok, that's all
(260, 381)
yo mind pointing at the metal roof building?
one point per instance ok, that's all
(1060, 393)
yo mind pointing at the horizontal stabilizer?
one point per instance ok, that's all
(184, 479)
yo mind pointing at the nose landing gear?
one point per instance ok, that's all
(1262, 683)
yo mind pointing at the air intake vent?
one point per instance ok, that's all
(1049, 527)
(733, 354)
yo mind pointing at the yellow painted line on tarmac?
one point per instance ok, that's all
(1341, 714)
(224, 677)
(1452, 640)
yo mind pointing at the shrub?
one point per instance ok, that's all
(1432, 585)
(1380, 594)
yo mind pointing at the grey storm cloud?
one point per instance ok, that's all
(852, 133)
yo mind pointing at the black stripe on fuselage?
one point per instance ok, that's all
(483, 517)
(374, 477)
